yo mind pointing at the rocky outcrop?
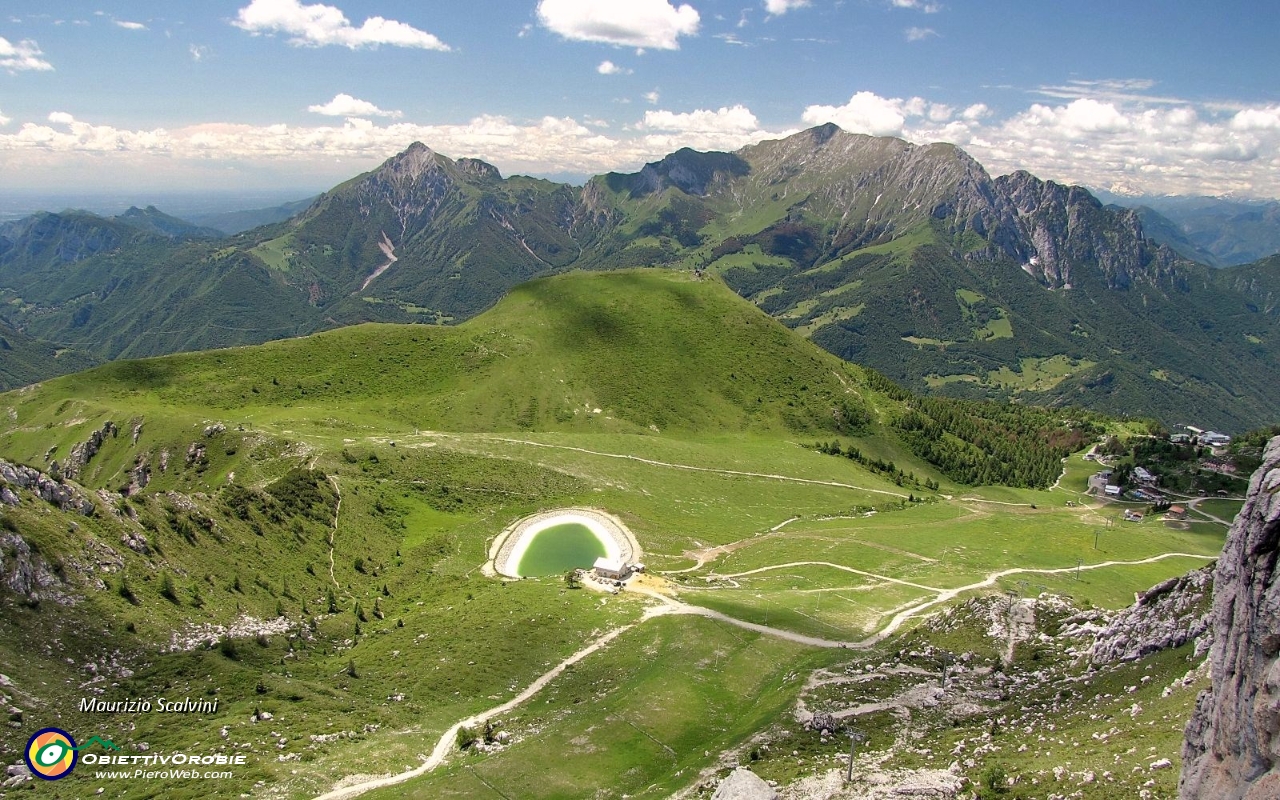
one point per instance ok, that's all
(1065, 228)
(1232, 748)
(65, 497)
(196, 453)
(1167, 615)
(82, 453)
(139, 476)
(25, 573)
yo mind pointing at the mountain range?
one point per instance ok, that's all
(1217, 231)
(908, 259)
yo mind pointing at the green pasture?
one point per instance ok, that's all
(651, 710)
(1221, 508)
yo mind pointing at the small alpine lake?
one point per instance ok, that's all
(560, 548)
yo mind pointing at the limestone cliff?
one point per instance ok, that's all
(1232, 748)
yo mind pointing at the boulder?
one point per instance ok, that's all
(743, 784)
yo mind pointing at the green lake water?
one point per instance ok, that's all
(559, 549)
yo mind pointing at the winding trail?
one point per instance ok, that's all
(690, 468)
(669, 605)
(995, 502)
(899, 619)
(447, 741)
(1194, 505)
(863, 573)
(991, 579)
(333, 532)
(707, 554)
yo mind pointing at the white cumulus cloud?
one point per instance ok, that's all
(319, 25)
(780, 7)
(130, 26)
(653, 24)
(344, 105)
(1257, 119)
(3, 119)
(1140, 144)
(737, 119)
(610, 68)
(927, 6)
(22, 56)
(866, 112)
(726, 128)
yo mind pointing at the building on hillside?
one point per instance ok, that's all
(610, 569)
(1176, 512)
(1214, 439)
(1180, 438)
(1112, 490)
(1132, 516)
(1144, 476)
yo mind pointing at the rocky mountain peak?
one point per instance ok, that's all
(1232, 748)
(411, 165)
(414, 184)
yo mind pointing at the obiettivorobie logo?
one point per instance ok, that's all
(52, 752)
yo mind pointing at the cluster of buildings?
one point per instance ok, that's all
(1146, 480)
(1145, 491)
(1204, 438)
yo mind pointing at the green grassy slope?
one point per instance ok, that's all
(333, 498)
(645, 348)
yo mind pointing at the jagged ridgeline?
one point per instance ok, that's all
(909, 259)
(625, 351)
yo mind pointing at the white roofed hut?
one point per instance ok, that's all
(611, 569)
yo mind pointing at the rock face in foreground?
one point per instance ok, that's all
(1232, 749)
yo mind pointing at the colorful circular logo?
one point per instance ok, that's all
(51, 753)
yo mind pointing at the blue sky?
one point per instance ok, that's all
(1139, 96)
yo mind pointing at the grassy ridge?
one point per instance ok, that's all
(646, 348)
